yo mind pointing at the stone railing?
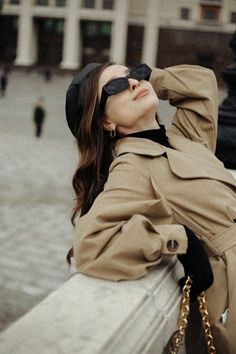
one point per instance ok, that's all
(93, 316)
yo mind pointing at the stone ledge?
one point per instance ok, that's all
(93, 316)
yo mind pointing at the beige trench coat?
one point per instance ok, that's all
(153, 190)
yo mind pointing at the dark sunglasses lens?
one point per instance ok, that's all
(141, 72)
(116, 86)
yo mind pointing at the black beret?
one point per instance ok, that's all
(74, 103)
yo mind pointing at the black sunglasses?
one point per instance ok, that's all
(114, 86)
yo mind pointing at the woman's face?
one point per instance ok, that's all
(130, 110)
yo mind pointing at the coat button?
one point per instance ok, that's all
(172, 245)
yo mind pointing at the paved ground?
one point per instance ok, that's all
(35, 193)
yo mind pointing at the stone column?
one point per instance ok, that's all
(225, 11)
(71, 37)
(151, 33)
(195, 11)
(119, 32)
(26, 48)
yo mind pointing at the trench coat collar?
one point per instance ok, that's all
(185, 160)
(139, 146)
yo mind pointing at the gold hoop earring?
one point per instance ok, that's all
(112, 133)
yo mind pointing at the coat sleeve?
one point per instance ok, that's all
(117, 239)
(193, 91)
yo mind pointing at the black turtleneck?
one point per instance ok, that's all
(156, 135)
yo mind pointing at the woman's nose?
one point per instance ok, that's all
(133, 83)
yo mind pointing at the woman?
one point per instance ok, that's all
(144, 193)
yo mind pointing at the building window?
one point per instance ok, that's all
(105, 29)
(60, 3)
(184, 13)
(41, 2)
(210, 13)
(90, 29)
(233, 17)
(108, 4)
(95, 41)
(14, 2)
(88, 4)
(49, 25)
(60, 26)
(96, 28)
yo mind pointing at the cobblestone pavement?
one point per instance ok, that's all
(36, 195)
(35, 192)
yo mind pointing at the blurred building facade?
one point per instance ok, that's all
(68, 33)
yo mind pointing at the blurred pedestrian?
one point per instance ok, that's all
(39, 116)
(4, 82)
(47, 75)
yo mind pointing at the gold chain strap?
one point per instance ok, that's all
(205, 323)
(177, 337)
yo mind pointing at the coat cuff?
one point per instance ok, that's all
(174, 239)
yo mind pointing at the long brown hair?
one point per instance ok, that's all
(95, 149)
